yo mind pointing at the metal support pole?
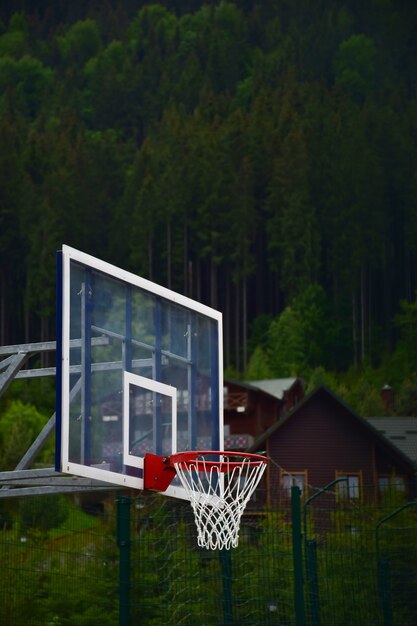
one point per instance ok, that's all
(124, 543)
(226, 567)
(297, 555)
(14, 363)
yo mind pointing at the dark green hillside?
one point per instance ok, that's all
(260, 157)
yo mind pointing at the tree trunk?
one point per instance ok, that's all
(363, 315)
(2, 310)
(237, 329)
(354, 337)
(150, 263)
(245, 323)
(198, 279)
(44, 337)
(185, 262)
(213, 284)
(226, 329)
(190, 279)
(27, 315)
(169, 255)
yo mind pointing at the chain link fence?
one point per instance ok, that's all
(124, 560)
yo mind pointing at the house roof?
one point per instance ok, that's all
(384, 440)
(275, 387)
(400, 431)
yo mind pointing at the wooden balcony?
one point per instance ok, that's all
(235, 401)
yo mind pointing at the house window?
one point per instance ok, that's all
(351, 487)
(391, 483)
(294, 479)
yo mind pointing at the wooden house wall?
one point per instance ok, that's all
(322, 438)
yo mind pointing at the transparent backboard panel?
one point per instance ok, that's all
(150, 422)
(140, 371)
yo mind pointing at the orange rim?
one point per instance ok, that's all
(191, 459)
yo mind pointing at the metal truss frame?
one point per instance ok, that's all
(24, 480)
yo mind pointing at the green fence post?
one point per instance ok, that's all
(297, 555)
(311, 556)
(123, 542)
(312, 579)
(226, 567)
(383, 567)
(384, 590)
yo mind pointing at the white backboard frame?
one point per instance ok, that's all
(100, 472)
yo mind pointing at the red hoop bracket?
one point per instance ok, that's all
(158, 473)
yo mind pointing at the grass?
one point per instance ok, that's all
(77, 521)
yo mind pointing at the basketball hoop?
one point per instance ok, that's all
(218, 485)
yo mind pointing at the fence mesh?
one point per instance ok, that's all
(359, 562)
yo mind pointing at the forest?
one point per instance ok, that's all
(260, 157)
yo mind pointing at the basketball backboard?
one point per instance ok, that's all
(139, 370)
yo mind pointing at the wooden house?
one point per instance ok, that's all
(251, 408)
(321, 440)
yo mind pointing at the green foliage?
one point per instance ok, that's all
(406, 398)
(7, 515)
(259, 332)
(360, 388)
(13, 44)
(286, 344)
(406, 322)
(20, 424)
(270, 582)
(81, 42)
(95, 600)
(369, 402)
(38, 392)
(107, 102)
(26, 81)
(39, 514)
(58, 576)
(294, 239)
(319, 377)
(259, 149)
(299, 340)
(259, 367)
(355, 66)
(318, 333)
(19, 22)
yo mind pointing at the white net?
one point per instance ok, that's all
(218, 492)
